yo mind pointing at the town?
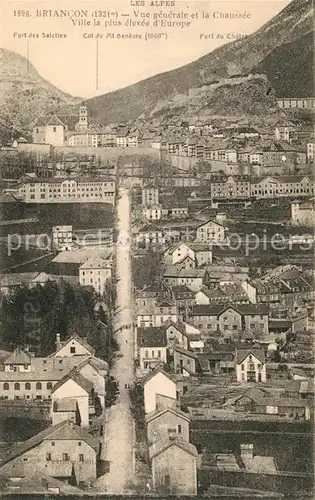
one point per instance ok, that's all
(157, 295)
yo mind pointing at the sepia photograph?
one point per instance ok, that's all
(157, 277)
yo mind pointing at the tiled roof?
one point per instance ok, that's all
(95, 263)
(241, 354)
(18, 357)
(77, 378)
(170, 376)
(151, 337)
(80, 340)
(16, 279)
(161, 446)
(82, 255)
(158, 413)
(245, 309)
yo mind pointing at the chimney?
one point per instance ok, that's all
(247, 451)
(58, 341)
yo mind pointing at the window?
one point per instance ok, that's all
(159, 353)
(81, 457)
(79, 443)
(179, 429)
(53, 443)
(65, 457)
(243, 368)
(6, 386)
(54, 129)
(27, 386)
(48, 457)
(72, 350)
(16, 386)
(38, 385)
(146, 354)
(49, 385)
(25, 367)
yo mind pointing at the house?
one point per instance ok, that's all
(250, 365)
(297, 374)
(217, 361)
(194, 279)
(203, 253)
(258, 402)
(150, 236)
(74, 386)
(95, 272)
(158, 383)
(210, 232)
(150, 195)
(225, 293)
(62, 237)
(174, 210)
(174, 467)
(11, 281)
(185, 263)
(152, 345)
(95, 370)
(229, 187)
(158, 315)
(153, 212)
(49, 131)
(148, 297)
(39, 483)
(65, 410)
(183, 297)
(185, 361)
(175, 335)
(74, 346)
(62, 451)
(177, 252)
(18, 361)
(303, 213)
(232, 320)
(167, 422)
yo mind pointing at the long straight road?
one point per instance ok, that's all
(119, 435)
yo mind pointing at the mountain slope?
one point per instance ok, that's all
(283, 67)
(25, 95)
(241, 56)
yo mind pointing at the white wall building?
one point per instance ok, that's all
(69, 190)
(95, 272)
(160, 383)
(51, 131)
(250, 365)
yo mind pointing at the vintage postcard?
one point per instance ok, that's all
(156, 232)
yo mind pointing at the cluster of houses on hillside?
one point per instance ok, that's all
(202, 319)
(71, 382)
(208, 139)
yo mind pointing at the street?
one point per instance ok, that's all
(119, 435)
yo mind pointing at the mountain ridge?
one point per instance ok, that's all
(293, 22)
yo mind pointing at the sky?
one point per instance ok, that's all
(85, 65)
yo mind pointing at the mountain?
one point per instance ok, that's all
(284, 64)
(25, 95)
(242, 56)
